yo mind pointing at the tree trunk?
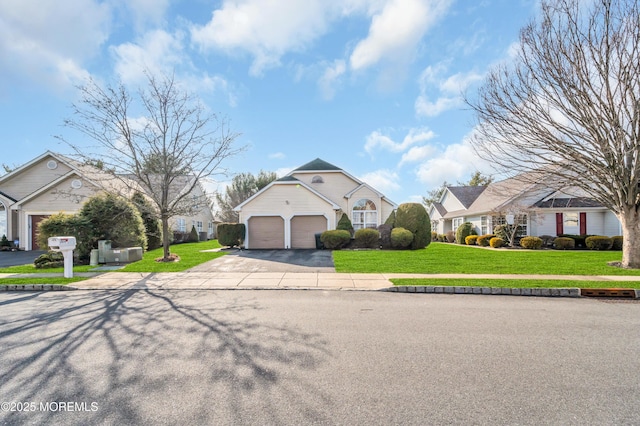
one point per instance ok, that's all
(166, 238)
(630, 221)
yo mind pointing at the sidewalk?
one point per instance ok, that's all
(304, 280)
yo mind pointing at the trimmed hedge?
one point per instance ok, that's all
(531, 243)
(617, 242)
(401, 238)
(598, 242)
(564, 243)
(230, 234)
(496, 242)
(464, 231)
(414, 218)
(470, 240)
(367, 238)
(345, 224)
(335, 239)
(484, 240)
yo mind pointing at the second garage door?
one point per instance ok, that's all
(266, 232)
(304, 229)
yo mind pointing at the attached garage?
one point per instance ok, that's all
(304, 229)
(266, 232)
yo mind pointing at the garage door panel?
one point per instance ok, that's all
(266, 232)
(304, 230)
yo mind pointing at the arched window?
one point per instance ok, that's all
(317, 179)
(364, 214)
(3, 220)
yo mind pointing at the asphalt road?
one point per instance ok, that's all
(12, 258)
(315, 357)
(270, 261)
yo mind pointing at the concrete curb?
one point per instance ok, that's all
(502, 291)
(36, 287)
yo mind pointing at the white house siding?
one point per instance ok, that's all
(33, 178)
(612, 225)
(451, 203)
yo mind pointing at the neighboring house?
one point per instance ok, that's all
(53, 183)
(290, 211)
(538, 210)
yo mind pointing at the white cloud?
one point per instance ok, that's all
(331, 78)
(277, 155)
(48, 42)
(396, 30)
(266, 29)
(447, 91)
(145, 13)
(417, 154)
(378, 140)
(383, 180)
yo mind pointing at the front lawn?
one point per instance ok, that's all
(509, 283)
(190, 255)
(444, 258)
(54, 280)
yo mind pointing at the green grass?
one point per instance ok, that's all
(190, 255)
(30, 269)
(56, 280)
(525, 283)
(443, 258)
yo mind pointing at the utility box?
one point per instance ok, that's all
(65, 245)
(103, 247)
(123, 255)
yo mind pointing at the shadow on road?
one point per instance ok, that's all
(152, 357)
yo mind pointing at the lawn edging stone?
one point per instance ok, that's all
(496, 291)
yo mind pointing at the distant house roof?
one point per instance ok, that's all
(466, 194)
(316, 165)
(564, 203)
(286, 179)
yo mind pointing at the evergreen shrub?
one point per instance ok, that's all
(230, 234)
(531, 243)
(414, 218)
(617, 242)
(464, 231)
(401, 238)
(335, 239)
(484, 240)
(470, 240)
(598, 242)
(496, 242)
(367, 238)
(564, 243)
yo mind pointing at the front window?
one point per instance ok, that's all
(457, 222)
(483, 225)
(519, 219)
(571, 223)
(364, 215)
(182, 225)
(199, 226)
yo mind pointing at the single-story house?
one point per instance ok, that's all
(290, 211)
(538, 209)
(53, 183)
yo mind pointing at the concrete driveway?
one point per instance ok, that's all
(13, 258)
(270, 261)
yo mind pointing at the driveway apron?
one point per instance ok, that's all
(270, 261)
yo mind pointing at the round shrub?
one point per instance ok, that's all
(401, 238)
(463, 231)
(470, 240)
(484, 240)
(564, 243)
(617, 242)
(598, 242)
(367, 238)
(230, 234)
(335, 239)
(531, 243)
(496, 242)
(414, 218)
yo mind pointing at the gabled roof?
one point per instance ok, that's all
(466, 194)
(8, 196)
(287, 180)
(439, 208)
(317, 165)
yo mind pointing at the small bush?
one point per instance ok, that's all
(450, 236)
(52, 259)
(434, 236)
(401, 238)
(564, 243)
(385, 235)
(471, 240)
(335, 239)
(367, 238)
(345, 224)
(496, 242)
(617, 242)
(580, 240)
(4, 242)
(193, 235)
(463, 231)
(484, 240)
(442, 238)
(230, 234)
(598, 242)
(531, 243)
(547, 240)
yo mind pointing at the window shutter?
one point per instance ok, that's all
(559, 224)
(583, 223)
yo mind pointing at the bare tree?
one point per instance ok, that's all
(162, 141)
(568, 110)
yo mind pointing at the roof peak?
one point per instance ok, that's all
(317, 164)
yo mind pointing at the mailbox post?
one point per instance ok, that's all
(66, 245)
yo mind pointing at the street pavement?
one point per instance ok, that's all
(315, 357)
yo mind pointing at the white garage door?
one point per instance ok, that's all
(266, 232)
(304, 229)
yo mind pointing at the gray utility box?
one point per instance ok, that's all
(123, 255)
(103, 247)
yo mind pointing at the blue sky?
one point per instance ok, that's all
(372, 86)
